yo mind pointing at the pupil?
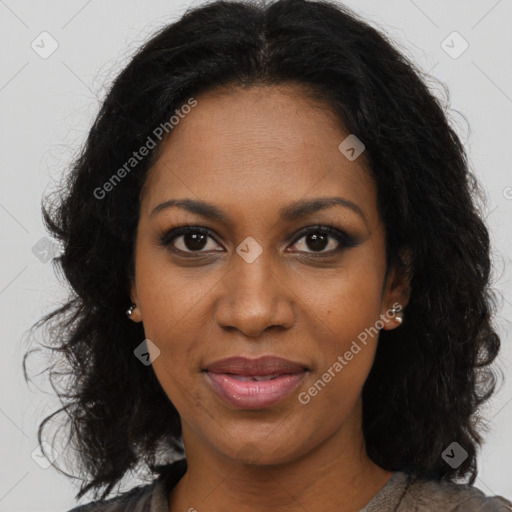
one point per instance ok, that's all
(319, 242)
(194, 241)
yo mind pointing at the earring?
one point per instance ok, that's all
(400, 318)
(129, 311)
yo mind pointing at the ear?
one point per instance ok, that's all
(397, 291)
(136, 315)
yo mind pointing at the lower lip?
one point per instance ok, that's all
(253, 394)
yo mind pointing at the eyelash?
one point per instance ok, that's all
(344, 240)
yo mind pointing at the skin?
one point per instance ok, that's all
(251, 152)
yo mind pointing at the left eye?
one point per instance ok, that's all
(316, 238)
(317, 242)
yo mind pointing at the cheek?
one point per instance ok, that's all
(345, 300)
(172, 299)
(172, 319)
(345, 353)
(344, 309)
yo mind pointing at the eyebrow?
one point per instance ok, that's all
(289, 213)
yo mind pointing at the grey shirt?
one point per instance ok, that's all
(400, 494)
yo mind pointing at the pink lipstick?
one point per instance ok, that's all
(254, 383)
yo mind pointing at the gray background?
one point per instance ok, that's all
(47, 106)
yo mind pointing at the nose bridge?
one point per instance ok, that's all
(254, 297)
(254, 280)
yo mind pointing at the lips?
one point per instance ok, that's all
(254, 383)
(266, 366)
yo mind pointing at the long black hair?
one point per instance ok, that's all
(429, 377)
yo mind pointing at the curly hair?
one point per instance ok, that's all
(429, 377)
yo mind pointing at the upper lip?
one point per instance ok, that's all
(266, 365)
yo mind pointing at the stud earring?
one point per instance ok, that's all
(129, 311)
(400, 318)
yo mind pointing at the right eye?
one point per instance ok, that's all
(188, 239)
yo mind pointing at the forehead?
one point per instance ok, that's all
(256, 147)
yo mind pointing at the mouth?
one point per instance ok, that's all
(254, 383)
(254, 378)
(265, 366)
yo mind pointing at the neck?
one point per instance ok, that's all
(336, 475)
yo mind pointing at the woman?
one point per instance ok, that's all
(279, 204)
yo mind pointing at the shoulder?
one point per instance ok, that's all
(444, 496)
(152, 497)
(137, 499)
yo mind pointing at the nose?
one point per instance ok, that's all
(255, 297)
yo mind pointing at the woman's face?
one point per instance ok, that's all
(266, 160)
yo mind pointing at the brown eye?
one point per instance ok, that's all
(193, 241)
(317, 242)
(319, 238)
(189, 239)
